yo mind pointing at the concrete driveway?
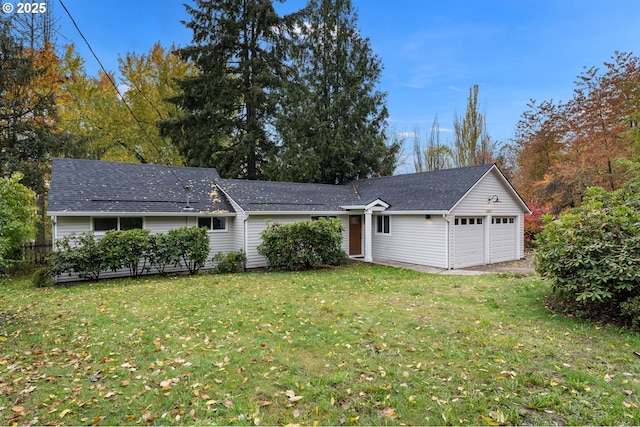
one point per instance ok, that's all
(524, 267)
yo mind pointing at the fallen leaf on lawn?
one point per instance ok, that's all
(629, 405)
(389, 413)
(29, 390)
(292, 396)
(18, 410)
(97, 376)
(124, 383)
(296, 413)
(63, 413)
(628, 392)
(228, 403)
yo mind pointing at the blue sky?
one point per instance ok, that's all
(433, 51)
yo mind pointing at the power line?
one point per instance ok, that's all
(121, 96)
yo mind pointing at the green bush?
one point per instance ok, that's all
(81, 254)
(135, 250)
(230, 262)
(591, 254)
(127, 249)
(302, 245)
(162, 252)
(42, 277)
(192, 246)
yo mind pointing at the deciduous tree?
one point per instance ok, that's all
(17, 217)
(567, 147)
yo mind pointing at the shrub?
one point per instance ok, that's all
(534, 222)
(192, 246)
(591, 254)
(230, 262)
(162, 252)
(127, 249)
(81, 254)
(302, 245)
(42, 277)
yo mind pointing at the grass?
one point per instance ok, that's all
(356, 345)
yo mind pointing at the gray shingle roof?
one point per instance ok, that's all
(261, 196)
(427, 191)
(114, 187)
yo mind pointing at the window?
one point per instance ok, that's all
(116, 223)
(215, 223)
(382, 224)
(468, 221)
(327, 217)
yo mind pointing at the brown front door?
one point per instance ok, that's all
(355, 235)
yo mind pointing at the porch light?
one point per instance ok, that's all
(427, 216)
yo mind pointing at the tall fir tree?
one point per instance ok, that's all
(229, 103)
(332, 117)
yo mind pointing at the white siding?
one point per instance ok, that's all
(257, 223)
(412, 239)
(162, 224)
(68, 225)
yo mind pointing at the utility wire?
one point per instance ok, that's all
(113, 83)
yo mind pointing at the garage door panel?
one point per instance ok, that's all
(469, 242)
(503, 239)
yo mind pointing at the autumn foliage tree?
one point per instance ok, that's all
(564, 148)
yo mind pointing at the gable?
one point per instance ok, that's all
(426, 191)
(493, 185)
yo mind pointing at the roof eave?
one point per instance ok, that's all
(116, 213)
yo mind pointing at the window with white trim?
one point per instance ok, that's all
(213, 223)
(104, 224)
(383, 224)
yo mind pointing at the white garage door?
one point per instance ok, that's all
(503, 239)
(469, 242)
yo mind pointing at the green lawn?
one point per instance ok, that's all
(356, 345)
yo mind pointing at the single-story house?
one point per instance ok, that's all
(448, 219)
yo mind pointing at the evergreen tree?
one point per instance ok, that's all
(332, 119)
(229, 103)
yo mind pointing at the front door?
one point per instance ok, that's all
(355, 235)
